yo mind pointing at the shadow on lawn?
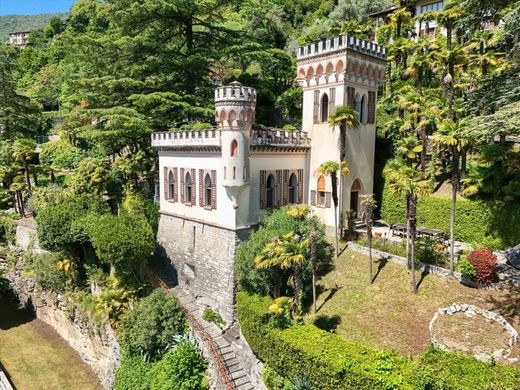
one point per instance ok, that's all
(328, 323)
(11, 315)
(383, 261)
(508, 306)
(332, 291)
(424, 273)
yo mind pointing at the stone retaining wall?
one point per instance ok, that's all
(203, 257)
(98, 347)
(429, 268)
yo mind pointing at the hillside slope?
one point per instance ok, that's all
(12, 23)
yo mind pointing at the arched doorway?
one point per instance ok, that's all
(271, 184)
(354, 196)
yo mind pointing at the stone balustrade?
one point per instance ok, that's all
(209, 137)
(262, 137)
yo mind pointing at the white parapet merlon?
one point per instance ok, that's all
(209, 137)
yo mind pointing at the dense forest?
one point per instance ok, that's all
(13, 23)
(116, 71)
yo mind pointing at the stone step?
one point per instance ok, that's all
(241, 380)
(238, 374)
(245, 386)
(233, 368)
(232, 361)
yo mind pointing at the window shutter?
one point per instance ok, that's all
(263, 192)
(183, 189)
(332, 101)
(175, 186)
(193, 199)
(285, 198)
(371, 107)
(328, 199)
(313, 198)
(349, 95)
(316, 106)
(201, 187)
(165, 182)
(279, 187)
(299, 197)
(214, 189)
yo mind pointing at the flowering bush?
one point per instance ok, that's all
(484, 262)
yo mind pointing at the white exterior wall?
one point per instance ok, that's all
(223, 215)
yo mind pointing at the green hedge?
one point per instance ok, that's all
(331, 362)
(481, 223)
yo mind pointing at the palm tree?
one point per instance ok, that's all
(331, 169)
(293, 253)
(449, 137)
(369, 204)
(23, 152)
(344, 117)
(406, 181)
(269, 258)
(313, 243)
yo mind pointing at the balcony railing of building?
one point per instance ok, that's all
(279, 137)
(210, 137)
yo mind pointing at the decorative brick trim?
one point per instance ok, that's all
(263, 189)
(202, 178)
(332, 101)
(166, 171)
(299, 196)
(213, 189)
(193, 200)
(313, 198)
(175, 186)
(183, 186)
(349, 97)
(328, 200)
(371, 107)
(316, 112)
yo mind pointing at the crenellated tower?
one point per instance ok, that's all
(235, 113)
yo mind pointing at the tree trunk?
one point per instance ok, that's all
(27, 175)
(276, 282)
(297, 287)
(369, 235)
(454, 189)
(463, 166)
(408, 231)
(413, 225)
(334, 180)
(424, 142)
(314, 255)
(451, 70)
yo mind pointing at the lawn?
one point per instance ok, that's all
(387, 314)
(35, 357)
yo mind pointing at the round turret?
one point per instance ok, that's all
(235, 112)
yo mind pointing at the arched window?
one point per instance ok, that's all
(293, 189)
(354, 196)
(325, 108)
(187, 188)
(321, 191)
(363, 110)
(171, 185)
(208, 189)
(234, 148)
(271, 185)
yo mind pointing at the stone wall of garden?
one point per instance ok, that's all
(96, 344)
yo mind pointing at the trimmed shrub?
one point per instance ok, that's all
(466, 269)
(182, 368)
(133, 373)
(481, 223)
(152, 325)
(52, 272)
(484, 262)
(7, 230)
(325, 359)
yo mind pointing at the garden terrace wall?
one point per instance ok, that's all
(492, 224)
(331, 362)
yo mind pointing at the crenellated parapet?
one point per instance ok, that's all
(210, 137)
(341, 59)
(235, 105)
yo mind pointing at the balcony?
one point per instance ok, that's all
(277, 137)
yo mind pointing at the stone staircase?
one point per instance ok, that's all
(218, 348)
